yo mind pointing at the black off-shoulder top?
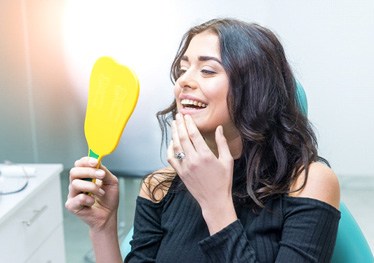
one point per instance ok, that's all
(288, 229)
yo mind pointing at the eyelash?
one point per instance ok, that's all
(207, 72)
(180, 72)
(204, 71)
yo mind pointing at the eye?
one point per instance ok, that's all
(208, 72)
(181, 71)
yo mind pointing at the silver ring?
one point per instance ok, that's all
(180, 155)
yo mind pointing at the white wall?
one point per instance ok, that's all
(329, 45)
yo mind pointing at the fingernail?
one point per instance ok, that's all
(100, 174)
(92, 161)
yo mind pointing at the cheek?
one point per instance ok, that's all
(177, 90)
(222, 108)
(218, 95)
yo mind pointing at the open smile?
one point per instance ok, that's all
(193, 104)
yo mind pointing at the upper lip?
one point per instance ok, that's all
(189, 97)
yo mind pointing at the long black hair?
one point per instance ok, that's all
(278, 140)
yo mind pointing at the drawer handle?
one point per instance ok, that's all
(37, 213)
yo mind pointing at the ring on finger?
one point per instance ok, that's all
(180, 155)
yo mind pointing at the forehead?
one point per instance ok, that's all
(204, 44)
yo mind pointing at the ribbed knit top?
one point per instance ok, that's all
(287, 229)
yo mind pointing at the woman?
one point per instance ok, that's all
(244, 184)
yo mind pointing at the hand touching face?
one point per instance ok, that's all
(207, 175)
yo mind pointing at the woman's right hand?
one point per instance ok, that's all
(99, 208)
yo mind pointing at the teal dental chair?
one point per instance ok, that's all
(351, 245)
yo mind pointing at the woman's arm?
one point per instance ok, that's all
(105, 243)
(322, 184)
(310, 223)
(147, 222)
(98, 209)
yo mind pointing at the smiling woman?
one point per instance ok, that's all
(243, 163)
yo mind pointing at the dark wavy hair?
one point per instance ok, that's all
(278, 140)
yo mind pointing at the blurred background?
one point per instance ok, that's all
(48, 48)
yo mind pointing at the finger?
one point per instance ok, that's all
(78, 186)
(176, 145)
(175, 141)
(184, 138)
(82, 172)
(222, 146)
(195, 135)
(87, 162)
(76, 204)
(171, 155)
(109, 178)
(174, 162)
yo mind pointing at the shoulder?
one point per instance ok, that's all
(321, 184)
(156, 185)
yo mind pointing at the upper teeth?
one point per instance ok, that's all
(187, 102)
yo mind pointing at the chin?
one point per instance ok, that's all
(205, 131)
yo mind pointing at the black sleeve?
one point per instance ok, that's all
(228, 245)
(309, 231)
(308, 235)
(147, 231)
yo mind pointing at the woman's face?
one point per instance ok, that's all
(202, 88)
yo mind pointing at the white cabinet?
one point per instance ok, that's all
(31, 221)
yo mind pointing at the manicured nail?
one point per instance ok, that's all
(100, 174)
(220, 129)
(92, 161)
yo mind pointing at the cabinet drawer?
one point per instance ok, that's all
(42, 215)
(32, 223)
(52, 250)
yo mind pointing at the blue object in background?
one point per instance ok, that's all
(351, 245)
(301, 98)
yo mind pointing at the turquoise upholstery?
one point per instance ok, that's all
(125, 244)
(351, 245)
(301, 98)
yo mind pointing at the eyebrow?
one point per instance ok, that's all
(203, 58)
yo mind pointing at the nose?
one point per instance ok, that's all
(188, 80)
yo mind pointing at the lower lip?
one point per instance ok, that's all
(190, 111)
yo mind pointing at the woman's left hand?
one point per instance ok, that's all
(207, 177)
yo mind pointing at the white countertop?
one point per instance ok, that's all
(40, 174)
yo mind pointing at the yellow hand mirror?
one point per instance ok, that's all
(112, 97)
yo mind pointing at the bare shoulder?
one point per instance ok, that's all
(322, 184)
(156, 185)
